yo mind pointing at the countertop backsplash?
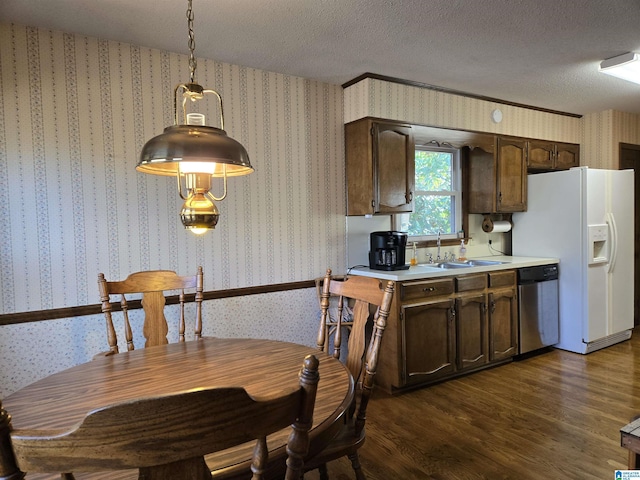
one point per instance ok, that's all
(358, 230)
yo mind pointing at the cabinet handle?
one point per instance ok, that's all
(429, 289)
(410, 197)
(493, 307)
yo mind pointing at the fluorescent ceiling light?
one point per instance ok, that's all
(626, 66)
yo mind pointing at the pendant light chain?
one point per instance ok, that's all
(192, 42)
(205, 152)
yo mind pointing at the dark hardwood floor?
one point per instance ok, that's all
(556, 415)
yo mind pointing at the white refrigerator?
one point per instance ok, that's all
(584, 217)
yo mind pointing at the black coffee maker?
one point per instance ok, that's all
(387, 250)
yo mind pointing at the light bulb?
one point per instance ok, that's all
(197, 167)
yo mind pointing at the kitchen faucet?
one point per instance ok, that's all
(438, 255)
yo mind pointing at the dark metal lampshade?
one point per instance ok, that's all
(194, 143)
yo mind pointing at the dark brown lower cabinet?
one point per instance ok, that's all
(471, 331)
(438, 329)
(429, 341)
(503, 311)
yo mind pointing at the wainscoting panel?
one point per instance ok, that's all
(31, 351)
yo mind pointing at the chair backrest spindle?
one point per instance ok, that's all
(128, 334)
(331, 328)
(152, 285)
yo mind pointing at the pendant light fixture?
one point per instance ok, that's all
(195, 153)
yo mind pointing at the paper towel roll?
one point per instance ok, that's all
(499, 226)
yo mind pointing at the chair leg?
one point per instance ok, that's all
(355, 463)
(322, 470)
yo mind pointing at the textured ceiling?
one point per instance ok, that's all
(542, 53)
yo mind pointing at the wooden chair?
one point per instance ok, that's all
(166, 437)
(343, 309)
(152, 285)
(365, 292)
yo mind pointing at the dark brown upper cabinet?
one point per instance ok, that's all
(498, 180)
(380, 167)
(548, 156)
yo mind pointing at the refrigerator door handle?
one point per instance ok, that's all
(613, 241)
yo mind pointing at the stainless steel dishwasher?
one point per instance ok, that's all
(538, 312)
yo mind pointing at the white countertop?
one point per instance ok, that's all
(430, 271)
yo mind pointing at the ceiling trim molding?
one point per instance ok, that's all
(401, 81)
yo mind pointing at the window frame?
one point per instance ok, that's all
(456, 194)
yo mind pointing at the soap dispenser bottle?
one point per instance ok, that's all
(462, 253)
(414, 256)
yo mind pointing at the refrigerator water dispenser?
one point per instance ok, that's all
(598, 243)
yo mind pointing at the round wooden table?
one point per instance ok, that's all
(259, 366)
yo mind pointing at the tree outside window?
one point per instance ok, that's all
(437, 197)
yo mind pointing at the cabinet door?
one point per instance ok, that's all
(481, 180)
(428, 341)
(503, 333)
(471, 331)
(567, 156)
(512, 175)
(394, 168)
(359, 167)
(540, 155)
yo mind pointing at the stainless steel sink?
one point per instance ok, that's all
(462, 264)
(453, 265)
(480, 263)
(467, 264)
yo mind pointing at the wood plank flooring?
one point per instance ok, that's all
(556, 415)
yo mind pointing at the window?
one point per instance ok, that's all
(437, 196)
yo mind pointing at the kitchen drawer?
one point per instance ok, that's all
(502, 279)
(476, 281)
(415, 291)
